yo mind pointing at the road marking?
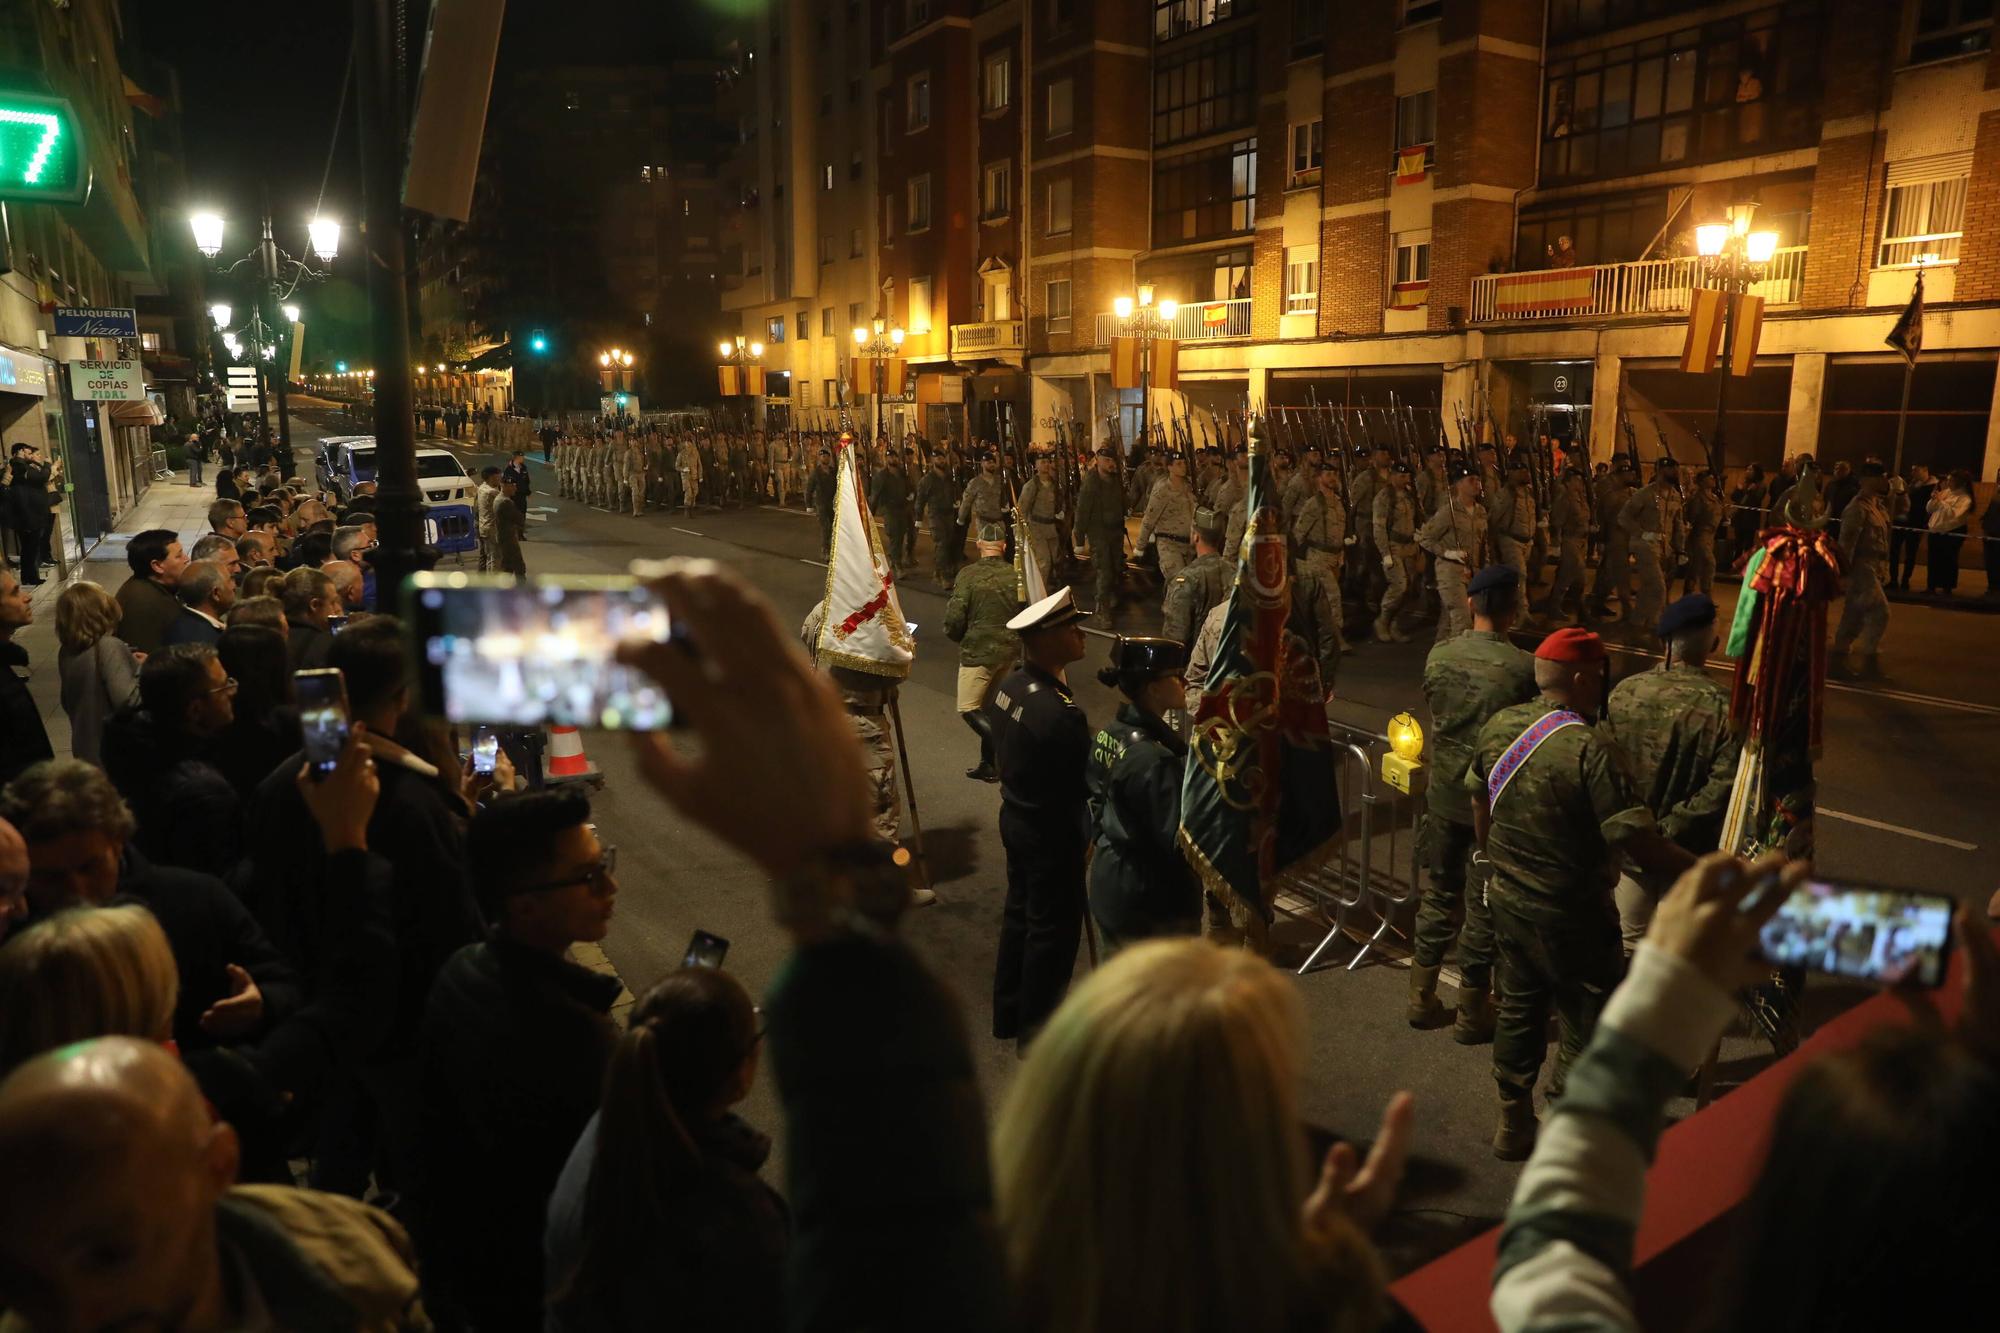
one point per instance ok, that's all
(820, 564)
(691, 532)
(1918, 834)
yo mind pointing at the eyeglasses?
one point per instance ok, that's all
(228, 684)
(605, 866)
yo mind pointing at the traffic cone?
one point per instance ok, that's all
(566, 760)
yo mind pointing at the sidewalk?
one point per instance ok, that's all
(168, 503)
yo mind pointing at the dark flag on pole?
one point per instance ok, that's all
(1908, 335)
(1259, 806)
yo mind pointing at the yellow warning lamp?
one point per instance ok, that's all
(1402, 767)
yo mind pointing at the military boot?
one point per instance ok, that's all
(1424, 1010)
(1475, 1017)
(1382, 631)
(1870, 668)
(1837, 666)
(1515, 1137)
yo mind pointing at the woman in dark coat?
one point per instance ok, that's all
(1140, 884)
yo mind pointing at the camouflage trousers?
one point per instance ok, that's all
(1174, 556)
(1454, 616)
(1569, 574)
(878, 752)
(1613, 571)
(1043, 544)
(1107, 563)
(637, 485)
(1513, 551)
(1326, 565)
(1701, 561)
(1647, 560)
(1402, 582)
(1571, 966)
(1454, 881)
(1866, 613)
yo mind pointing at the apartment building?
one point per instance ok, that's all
(1484, 204)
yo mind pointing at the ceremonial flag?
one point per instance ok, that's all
(1028, 571)
(1166, 367)
(1544, 291)
(1260, 808)
(1214, 315)
(1907, 336)
(1704, 330)
(1124, 363)
(730, 378)
(1410, 164)
(864, 629)
(1409, 295)
(753, 381)
(1749, 327)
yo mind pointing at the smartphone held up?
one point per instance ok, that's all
(323, 717)
(499, 651)
(1868, 933)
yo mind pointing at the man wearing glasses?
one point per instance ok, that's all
(515, 1042)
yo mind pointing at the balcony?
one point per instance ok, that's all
(1609, 291)
(995, 338)
(1206, 321)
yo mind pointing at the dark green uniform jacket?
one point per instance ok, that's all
(1140, 884)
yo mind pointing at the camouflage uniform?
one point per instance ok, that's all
(1319, 535)
(984, 598)
(687, 463)
(1547, 852)
(1395, 536)
(561, 459)
(889, 501)
(1226, 493)
(1168, 521)
(1460, 528)
(1651, 520)
(1703, 513)
(1433, 490)
(1037, 504)
(867, 698)
(983, 501)
(1614, 566)
(1467, 679)
(1361, 494)
(1675, 738)
(1864, 541)
(940, 510)
(1100, 520)
(1511, 511)
(1200, 585)
(1316, 619)
(635, 474)
(1569, 529)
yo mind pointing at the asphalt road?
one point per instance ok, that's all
(1910, 783)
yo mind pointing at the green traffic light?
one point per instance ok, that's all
(538, 342)
(340, 366)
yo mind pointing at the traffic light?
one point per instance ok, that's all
(622, 400)
(340, 366)
(538, 342)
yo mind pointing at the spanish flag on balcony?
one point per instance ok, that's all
(1409, 295)
(1544, 291)
(1410, 163)
(1214, 315)
(753, 381)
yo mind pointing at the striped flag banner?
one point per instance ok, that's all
(1544, 291)
(1214, 315)
(1124, 363)
(1749, 327)
(1166, 367)
(1704, 330)
(1410, 164)
(1409, 295)
(730, 380)
(753, 381)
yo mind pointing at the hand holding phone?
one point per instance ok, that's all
(705, 950)
(323, 718)
(1892, 937)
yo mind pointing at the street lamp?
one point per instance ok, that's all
(324, 237)
(1733, 259)
(219, 312)
(885, 342)
(1144, 320)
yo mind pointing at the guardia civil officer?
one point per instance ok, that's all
(1140, 884)
(1042, 742)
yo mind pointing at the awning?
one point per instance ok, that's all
(493, 358)
(143, 413)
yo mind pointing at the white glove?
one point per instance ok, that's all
(1388, 562)
(1455, 555)
(1350, 541)
(1896, 484)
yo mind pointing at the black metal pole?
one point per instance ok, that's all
(1716, 451)
(257, 360)
(398, 503)
(268, 252)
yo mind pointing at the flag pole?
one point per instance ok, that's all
(909, 786)
(1903, 416)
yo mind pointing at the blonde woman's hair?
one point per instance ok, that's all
(85, 613)
(1151, 1164)
(86, 972)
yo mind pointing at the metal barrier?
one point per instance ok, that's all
(158, 462)
(1378, 866)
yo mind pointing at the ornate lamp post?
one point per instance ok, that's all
(743, 355)
(884, 343)
(1733, 259)
(1144, 320)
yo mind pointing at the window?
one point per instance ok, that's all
(1062, 108)
(149, 341)
(1209, 87)
(826, 176)
(917, 103)
(1205, 194)
(1413, 257)
(920, 305)
(1421, 11)
(1302, 280)
(826, 323)
(826, 248)
(774, 329)
(996, 84)
(1308, 151)
(854, 244)
(920, 203)
(804, 326)
(1923, 218)
(1056, 305)
(1733, 87)
(1062, 15)
(1059, 207)
(1416, 123)
(1177, 18)
(1947, 28)
(1308, 27)
(832, 390)
(1603, 229)
(854, 314)
(994, 195)
(854, 167)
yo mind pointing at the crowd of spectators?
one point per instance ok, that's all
(280, 1050)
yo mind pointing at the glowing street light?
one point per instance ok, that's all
(291, 313)
(1733, 259)
(324, 236)
(207, 233)
(219, 312)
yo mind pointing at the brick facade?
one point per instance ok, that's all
(1352, 283)
(1846, 217)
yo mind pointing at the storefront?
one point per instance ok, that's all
(32, 411)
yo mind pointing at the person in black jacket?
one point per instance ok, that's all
(28, 510)
(311, 601)
(188, 813)
(264, 728)
(515, 1043)
(1140, 884)
(434, 915)
(24, 739)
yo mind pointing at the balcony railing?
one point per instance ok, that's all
(1000, 337)
(1204, 321)
(1645, 287)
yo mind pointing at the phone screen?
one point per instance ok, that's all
(484, 751)
(532, 653)
(1891, 936)
(705, 950)
(322, 700)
